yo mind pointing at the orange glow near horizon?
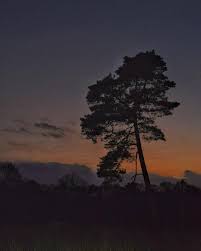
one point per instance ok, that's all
(180, 152)
(169, 158)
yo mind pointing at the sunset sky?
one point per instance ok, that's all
(51, 51)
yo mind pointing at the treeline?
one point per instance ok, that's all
(11, 177)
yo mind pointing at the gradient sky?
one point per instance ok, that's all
(50, 51)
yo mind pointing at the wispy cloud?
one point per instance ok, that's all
(50, 130)
(20, 130)
(47, 126)
(53, 134)
(42, 128)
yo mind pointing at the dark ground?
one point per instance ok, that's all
(162, 220)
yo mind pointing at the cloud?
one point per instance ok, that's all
(20, 130)
(193, 178)
(19, 127)
(47, 126)
(50, 130)
(42, 128)
(56, 135)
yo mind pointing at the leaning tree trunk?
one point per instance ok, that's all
(141, 158)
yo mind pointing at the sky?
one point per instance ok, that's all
(51, 51)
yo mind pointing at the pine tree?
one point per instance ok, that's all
(123, 109)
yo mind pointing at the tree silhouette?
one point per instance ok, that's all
(124, 107)
(8, 172)
(71, 181)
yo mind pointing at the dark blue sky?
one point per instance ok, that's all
(50, 51)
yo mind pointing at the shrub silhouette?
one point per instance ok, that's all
(72, 182)
(9, 173)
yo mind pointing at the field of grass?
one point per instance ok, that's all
(61, 238)
(13, 246)
(60, 220)
(55, 238)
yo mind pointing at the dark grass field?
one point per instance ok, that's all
(61, 237)
(32, 219)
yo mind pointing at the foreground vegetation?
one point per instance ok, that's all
(59, 237)
(73, 215)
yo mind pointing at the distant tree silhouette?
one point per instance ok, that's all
(9, 173)
(166, 186)
(124, 108)
(71, 181)
(134, 187)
